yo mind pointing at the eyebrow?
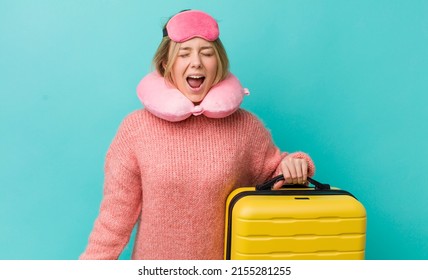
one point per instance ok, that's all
(189, 48)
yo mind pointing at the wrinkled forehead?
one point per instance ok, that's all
(190, 24)
(195, 44)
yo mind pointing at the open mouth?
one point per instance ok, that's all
(194, 81)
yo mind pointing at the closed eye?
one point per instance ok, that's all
(183, 54)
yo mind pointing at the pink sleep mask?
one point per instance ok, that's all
(190, 24)
(167, 102)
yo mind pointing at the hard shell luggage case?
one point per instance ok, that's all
(297, 222)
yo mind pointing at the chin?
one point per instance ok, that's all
(196, 98)
(196, 101)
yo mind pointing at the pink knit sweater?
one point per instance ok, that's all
(173, 179)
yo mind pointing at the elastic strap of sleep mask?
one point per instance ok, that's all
(164, 31)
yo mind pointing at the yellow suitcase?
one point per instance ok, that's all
(295, 223)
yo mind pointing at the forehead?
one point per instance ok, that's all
(196, 43)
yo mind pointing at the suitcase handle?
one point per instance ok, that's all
(269, 184)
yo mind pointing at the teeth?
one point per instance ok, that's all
(196, 77)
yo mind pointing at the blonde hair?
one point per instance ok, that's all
(167, 52)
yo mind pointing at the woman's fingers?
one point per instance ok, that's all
(295, 170)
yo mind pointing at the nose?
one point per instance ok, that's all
(196, 61)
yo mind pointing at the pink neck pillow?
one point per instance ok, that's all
(167, 102)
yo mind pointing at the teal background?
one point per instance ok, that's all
(345, 81)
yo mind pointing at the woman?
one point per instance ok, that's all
(172, 164)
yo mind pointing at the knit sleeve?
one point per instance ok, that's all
(267, 156)
(264, 155)
(121, 203)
